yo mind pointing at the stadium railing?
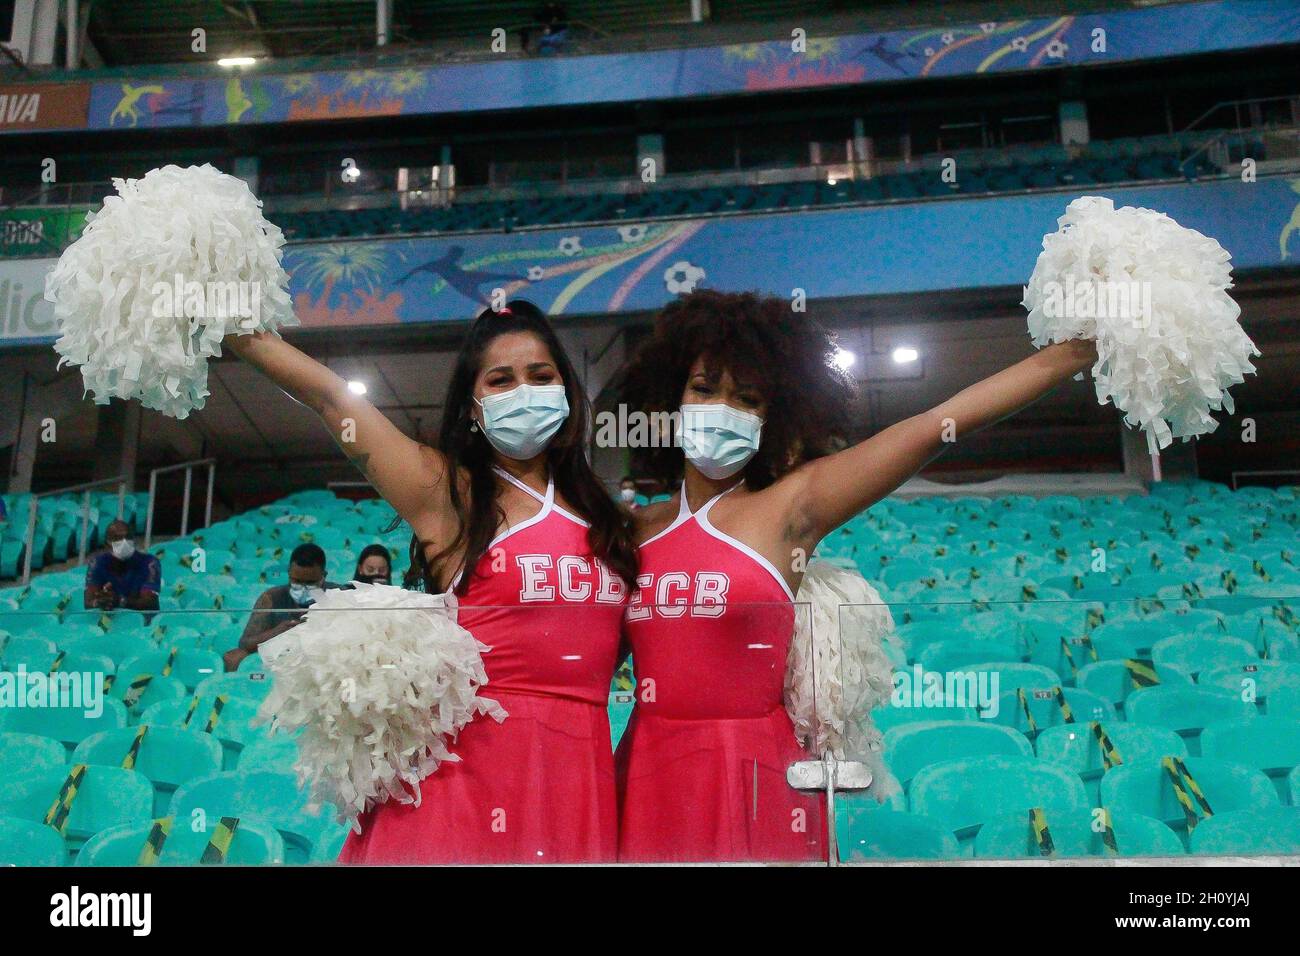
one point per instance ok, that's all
(120, 482)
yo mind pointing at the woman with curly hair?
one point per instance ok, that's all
(762, 412)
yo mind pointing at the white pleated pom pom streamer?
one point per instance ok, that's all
(838, 672)
(172, 264)
(374, 681)
(1153, 295)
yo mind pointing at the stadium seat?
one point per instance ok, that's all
(1267, 744)
(233, 726)
(118, 646)
(1186, 710)
(167, 756)
(1268, 830)
(145, 690)
(246, 685)
(24, 754)
(1042, 708)
(1145, 787)
(255, 843)
(1079, 832)
(70, 725)
(191, 666)
(277, 753)
(1193, 653)
(275, 797)
(960, 794)
(1078, 748)
(913, 747)
(888, 834)
(29, 843)
(105, 796)
(1256, 680)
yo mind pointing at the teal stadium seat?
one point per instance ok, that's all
(911, 748)
(1268, 830)
(246, 685)
(1078, 748)
(891, 835)
(1193, 653)
(274, 797)
(167, 756)
(25, 754)
(106, 796)
(1186, 709)
(1267, 744)
(29, 843)
(255, 843)
(961, 794)
(190, 666)
(275, 753)
(1077, 833)
(70, 725)
(1145, 787)
(233, 726)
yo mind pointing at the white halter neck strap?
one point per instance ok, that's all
(546, 499)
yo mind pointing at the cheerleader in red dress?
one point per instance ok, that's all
(702, 766)
(510, 496)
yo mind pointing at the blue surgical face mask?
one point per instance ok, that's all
(719, 440)
(305, 594)
(520, 423)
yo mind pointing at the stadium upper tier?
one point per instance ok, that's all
(387, 212)
(1119, 654)
(977, 172)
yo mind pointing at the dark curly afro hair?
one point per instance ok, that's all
(759, 340)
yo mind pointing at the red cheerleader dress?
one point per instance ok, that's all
(539, 786)
(702, 766)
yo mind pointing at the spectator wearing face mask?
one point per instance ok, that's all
(627, 494)
(374, 566)
(283, 606)
(121, 576)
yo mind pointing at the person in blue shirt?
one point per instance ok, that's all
(121, 576)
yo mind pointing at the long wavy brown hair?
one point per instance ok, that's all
(477, 509)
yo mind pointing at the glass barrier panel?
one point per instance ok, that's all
(1031, 721)
(134, 736)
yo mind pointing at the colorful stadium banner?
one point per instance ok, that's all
(865, 250)
(40, 106)
(600, 270)
(991, 47)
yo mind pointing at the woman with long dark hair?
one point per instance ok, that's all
(507, 515)
(763, 414)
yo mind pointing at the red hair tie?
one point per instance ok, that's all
(504, 310)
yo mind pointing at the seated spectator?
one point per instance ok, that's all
(121, 576)
(627, 494)
(374, 566)
(283, 606)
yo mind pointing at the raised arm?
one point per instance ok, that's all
(830, 490)
(410, 476)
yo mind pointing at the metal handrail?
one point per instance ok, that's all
(120, 481)
(188, 467)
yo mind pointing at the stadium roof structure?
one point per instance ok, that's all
(139, 32)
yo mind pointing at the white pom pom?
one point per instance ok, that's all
(377, 679)
(1153, 295)
(172, 264)
(837, 671)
